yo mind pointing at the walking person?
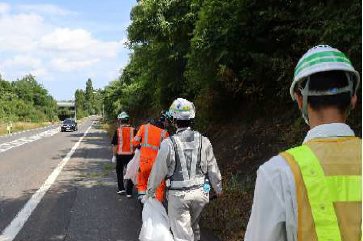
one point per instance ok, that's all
(314, 191)
(123, 151)
(149, 138)
(187, 161)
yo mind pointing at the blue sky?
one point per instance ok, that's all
(64, 42)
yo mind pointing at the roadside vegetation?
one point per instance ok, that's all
(21, 126)
(26, 104)
(88, 101)
(235, 60)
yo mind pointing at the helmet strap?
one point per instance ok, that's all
(305, 94)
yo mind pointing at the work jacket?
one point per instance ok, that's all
(279, 209)
(166, 164)
(189, 170)
(327, 174)
(149, 138)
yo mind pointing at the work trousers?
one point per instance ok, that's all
(146, 164)
(121, 163)
(184, 209)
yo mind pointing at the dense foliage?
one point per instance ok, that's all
(225, 54)
(26, 100)
(88, 102)
(235, 60)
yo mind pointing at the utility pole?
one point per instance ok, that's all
(103, 111)
(75, 110)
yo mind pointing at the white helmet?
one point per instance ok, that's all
(323, 58)
(182, 109)
(123, 116)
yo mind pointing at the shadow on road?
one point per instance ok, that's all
(82, 204)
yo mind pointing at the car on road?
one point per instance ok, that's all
(69, 124)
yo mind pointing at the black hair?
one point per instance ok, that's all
(157, 123)
(183, 123)
(327, 80)
(124, 121)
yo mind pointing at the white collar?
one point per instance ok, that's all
(329, 131)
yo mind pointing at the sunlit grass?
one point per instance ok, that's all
(21, 126)
(109, 128)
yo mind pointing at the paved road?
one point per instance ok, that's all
(58, 192)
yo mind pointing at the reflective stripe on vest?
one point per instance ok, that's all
(323, 190)
(188, 172)
(187, 183)
(132, 133)
(146, 137)
(119, 140)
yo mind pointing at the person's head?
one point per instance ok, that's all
(166, 118)
(123, 118)
(325, 84)
(183, 112)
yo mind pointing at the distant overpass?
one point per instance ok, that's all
(67, 109)
(64, 103)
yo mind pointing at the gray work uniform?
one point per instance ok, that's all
(185, 170)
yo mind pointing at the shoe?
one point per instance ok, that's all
(121, 192)
(129, 196)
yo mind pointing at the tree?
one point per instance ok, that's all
(26, 100)
(81, 107)
(223, 55)
(88, 102)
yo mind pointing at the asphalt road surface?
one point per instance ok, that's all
(62, 186)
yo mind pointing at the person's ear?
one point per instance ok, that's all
(299, 99)
(353, 102)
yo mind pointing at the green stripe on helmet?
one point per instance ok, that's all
(181, 110)
(319, 61)
(319, 55)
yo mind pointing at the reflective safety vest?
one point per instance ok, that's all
(328, 180)
(150, 138)
(125, 134)
(189, 170)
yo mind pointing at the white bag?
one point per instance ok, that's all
(155, 222)
(133, 167)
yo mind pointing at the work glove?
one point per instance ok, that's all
(113, 160)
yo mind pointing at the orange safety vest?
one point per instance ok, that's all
(150, 138)
(125, 135)
(328, 190)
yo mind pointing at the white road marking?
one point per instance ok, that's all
(8, 145)
(19, 132)
(18, 222)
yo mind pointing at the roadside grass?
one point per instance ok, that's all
(228, 216)
(109, 128)
(106, 170)
(21, 126)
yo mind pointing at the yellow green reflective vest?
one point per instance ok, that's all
(327, 175)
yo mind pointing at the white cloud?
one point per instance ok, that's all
(39, 72)
(4, 8)
(65, 39)
(20, 32)
(22, 61)
(80, 40)
(65, 65)
(45, 9)
(32, 42)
